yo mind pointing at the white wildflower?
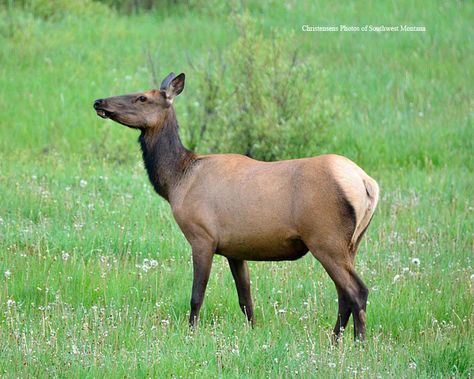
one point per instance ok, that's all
(7, 274)
(147, 264)
(78, 225)
(65, 256)
(405, 269)
(415, 261)
(74, 349)
(396, 278)
(83, 183)
(10, 303)
(412, 365)
(331, 365)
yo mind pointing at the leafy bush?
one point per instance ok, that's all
(259, 99)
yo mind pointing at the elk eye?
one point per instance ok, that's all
(142, 99)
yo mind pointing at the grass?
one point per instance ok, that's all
(96, 276)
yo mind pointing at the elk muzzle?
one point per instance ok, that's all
(99, 106)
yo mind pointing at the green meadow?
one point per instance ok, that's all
(95, 276)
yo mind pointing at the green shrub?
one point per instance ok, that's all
(259, 98)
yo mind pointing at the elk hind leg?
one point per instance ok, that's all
(352, 292)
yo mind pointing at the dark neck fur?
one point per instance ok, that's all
(166, 159)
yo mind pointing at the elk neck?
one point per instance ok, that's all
(166, 159)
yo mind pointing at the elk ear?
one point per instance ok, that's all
(166, 81)
(175, 87)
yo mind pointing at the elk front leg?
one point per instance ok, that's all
(240, 272)
(202, 262)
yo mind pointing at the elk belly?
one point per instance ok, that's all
(262, 246)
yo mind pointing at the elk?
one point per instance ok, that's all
(245, 209)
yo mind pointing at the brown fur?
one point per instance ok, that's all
(244, 209)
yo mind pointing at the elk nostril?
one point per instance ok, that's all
(98, 103)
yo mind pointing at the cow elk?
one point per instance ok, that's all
(244, 209)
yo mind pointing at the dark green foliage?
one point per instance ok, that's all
(54, 9)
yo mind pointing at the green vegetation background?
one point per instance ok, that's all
(96, 276)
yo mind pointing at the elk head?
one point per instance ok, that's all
(142, 110)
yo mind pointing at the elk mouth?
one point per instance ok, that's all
(103, 113)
